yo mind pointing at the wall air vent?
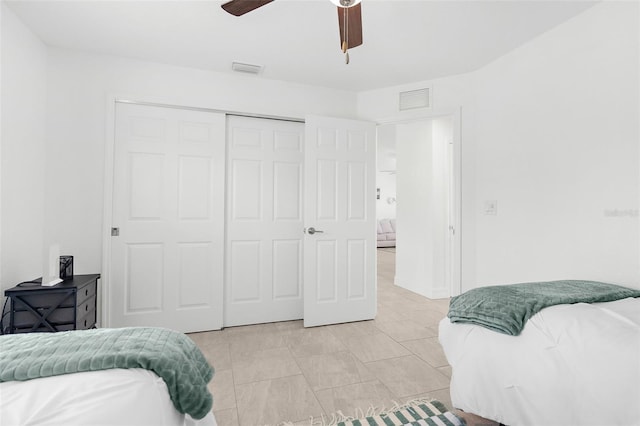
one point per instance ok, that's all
(246, 68)
(413, 99)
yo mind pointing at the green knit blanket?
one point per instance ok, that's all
(170, 355)
(506, 308)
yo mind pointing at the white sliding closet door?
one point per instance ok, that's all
(168, 208)
(340, 196)
(263, 281)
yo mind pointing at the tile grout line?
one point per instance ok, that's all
(308, 384)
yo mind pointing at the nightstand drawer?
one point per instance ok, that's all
(87, 306)
(45, 300)
(86, 322)
(59, 316)
(86, 292)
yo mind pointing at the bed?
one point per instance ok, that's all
(572, 363)
(130, 376)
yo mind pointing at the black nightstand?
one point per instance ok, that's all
(69, 305)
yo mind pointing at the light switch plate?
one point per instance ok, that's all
(491, 207)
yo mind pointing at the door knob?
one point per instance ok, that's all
(313, 230)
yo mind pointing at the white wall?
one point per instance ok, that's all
(557, 146)
(79, 86)
(551, 132)
(422, 212)
(22, 152)
(414, 254)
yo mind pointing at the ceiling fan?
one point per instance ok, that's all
(349, 19)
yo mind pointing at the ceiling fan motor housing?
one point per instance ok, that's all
(345, 3)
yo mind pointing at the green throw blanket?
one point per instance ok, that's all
(170, 355)
(506, 308)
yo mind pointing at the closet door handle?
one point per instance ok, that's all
(313, 230)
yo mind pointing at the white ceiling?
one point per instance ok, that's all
(404, 41)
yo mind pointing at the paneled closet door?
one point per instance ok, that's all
(263, 281)
(340, 220)
(168, 208)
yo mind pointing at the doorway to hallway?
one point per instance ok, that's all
(419, 189)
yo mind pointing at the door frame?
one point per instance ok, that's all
(455, 252)
(103, 316)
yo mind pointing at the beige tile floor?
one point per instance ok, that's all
(271, 373)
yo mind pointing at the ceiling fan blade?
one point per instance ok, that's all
(240, 7)
(354, 28)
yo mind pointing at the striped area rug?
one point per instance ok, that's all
(414, 413)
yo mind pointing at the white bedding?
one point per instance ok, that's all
(133, 397)
(571, 365)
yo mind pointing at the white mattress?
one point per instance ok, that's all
(571, 365)
(109, 397)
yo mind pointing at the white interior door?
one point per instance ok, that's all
(263, 280)
(168, 204)
(340, 193)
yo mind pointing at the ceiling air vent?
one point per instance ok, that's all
(246, 68)
(413, 99)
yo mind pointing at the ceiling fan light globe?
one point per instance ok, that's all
(345, 3)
